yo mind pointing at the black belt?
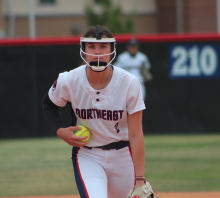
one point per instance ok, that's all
(113, 145)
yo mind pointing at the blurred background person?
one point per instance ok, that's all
(136, 63)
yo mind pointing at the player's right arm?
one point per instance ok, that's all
(54, 118)
(66, 134)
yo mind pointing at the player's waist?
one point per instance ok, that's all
(113, 145)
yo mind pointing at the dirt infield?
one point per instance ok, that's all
(162, 195)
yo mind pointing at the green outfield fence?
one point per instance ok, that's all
(176, 102)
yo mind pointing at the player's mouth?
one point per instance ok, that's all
(97, 59)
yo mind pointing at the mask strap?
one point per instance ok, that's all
(98, 34)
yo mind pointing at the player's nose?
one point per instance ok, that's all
(97, 50)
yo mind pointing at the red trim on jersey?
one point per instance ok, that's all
(120, 38)
(80, 174)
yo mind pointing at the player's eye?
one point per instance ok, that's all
(89, 45)
(104, 46)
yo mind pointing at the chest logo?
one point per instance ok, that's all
(109, 115)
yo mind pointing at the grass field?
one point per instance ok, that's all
(173, 163)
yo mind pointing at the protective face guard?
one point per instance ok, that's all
(97, 66)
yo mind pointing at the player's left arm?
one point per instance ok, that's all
(145, 69)
(141, 189)
(147, 63)
(136, 139)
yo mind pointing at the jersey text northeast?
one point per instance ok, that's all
(99, 114)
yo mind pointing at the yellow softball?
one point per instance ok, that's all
(82, 133)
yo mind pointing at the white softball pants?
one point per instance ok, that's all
(103, 173)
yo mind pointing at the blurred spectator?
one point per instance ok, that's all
(136, 63)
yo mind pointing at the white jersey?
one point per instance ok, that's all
(133, 64)
(103, 111)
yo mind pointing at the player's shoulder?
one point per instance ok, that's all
(124, 78)
(141, 55)
(123, 74)
(123, 55)
(73, 74)
(78, 69)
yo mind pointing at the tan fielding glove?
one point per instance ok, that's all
(143, 192)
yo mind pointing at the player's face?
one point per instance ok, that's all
(133, 49)
(98, 49)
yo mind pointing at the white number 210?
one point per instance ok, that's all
(192, 62)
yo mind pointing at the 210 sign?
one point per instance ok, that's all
(194, 61)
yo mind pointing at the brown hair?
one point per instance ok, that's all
(92, 31)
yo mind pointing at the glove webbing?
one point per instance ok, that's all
(152, 195)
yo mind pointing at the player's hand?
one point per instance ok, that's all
(140, 183)
(68, 136)
(143, 191)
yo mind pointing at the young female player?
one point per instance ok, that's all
(109, 102)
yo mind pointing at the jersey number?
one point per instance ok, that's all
(116, 128)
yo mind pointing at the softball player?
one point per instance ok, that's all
(109, 102)
(136, 63)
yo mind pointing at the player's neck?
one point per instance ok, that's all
(99, 80)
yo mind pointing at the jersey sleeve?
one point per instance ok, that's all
(135, 100)
(58, 93)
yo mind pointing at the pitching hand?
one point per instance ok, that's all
(68, 136)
